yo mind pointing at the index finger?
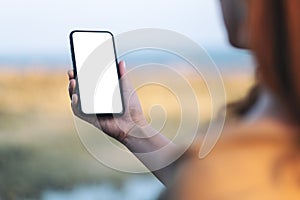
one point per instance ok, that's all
(71, 74)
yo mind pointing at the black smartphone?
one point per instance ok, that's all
(97, 73)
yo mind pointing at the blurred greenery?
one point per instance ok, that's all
(39, 146)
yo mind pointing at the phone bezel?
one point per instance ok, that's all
(73, 57)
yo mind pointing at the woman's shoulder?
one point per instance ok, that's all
(247, 161)
(263, 134)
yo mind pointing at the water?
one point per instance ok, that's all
(223, 58)
(138, 188)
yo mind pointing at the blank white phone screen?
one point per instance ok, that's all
(97, 73)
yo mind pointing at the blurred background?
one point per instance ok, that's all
(41, 156)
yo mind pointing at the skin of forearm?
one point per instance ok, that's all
(143, 140)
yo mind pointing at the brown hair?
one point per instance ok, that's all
(275, 40)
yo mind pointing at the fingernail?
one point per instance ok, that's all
(73, 98)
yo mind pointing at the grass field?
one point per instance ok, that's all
(39, 145)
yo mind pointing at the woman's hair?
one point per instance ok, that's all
(275, 40)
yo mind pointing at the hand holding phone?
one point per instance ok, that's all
(144, 138)
(114, 124)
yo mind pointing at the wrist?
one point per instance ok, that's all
(126, 128)
(139, 136)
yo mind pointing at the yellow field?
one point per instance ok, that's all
(39, 146)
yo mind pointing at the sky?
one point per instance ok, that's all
(42, 26)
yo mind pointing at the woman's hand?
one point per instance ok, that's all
(131, 129)
(117, 127)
